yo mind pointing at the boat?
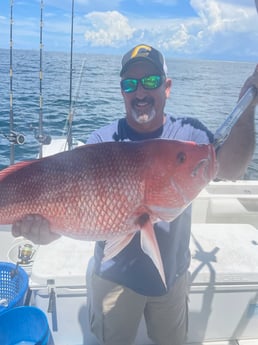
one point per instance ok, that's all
(223, 289)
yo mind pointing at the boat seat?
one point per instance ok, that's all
(229, 210)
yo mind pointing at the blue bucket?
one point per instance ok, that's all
(13, 286)
(24, 325)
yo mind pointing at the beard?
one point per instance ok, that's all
(144, 115)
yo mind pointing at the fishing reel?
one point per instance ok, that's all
(26, 253)
(15, 138)
(42, 138)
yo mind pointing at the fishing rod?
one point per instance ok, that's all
(40, 134)
(13, 137)
(72, 102)
(224, 130)
(70, 116)
(11, 121)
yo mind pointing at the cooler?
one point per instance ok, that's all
(224, 288)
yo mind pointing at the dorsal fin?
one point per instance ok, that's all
(12, 168)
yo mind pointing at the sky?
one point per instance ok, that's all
(195, 29)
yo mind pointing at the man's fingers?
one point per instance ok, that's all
(35, 228)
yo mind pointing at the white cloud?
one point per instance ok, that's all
(219, 15)
(215, 27)
(221, 26)
(218, 28)
(178, 39)
(107, 28)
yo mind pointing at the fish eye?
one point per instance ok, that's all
(181, 157)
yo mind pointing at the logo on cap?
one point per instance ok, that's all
(141, 50)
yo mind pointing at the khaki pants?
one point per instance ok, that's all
(115, 313)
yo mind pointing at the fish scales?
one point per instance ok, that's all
(100, 189)
(92, 187)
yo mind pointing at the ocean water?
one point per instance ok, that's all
(207, 90)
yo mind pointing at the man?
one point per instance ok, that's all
(128, 286)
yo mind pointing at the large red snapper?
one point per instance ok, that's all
(109, 190)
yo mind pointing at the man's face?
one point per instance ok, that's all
(145, 107)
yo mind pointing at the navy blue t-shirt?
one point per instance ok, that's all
(132, 267)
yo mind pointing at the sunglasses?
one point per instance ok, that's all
(149, 83)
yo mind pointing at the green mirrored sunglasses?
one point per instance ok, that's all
(149, 83)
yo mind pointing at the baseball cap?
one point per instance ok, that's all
(144, 52)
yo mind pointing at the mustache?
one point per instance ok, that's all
(146, 99)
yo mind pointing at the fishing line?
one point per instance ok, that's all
(71, 114)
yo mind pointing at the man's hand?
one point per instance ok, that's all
(237, 150)
(35, 228)
(251, 81)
